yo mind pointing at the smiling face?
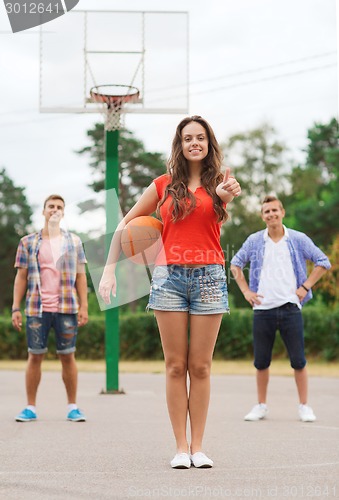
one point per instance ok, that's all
(53, 211)
(272, 214)
(194, 142)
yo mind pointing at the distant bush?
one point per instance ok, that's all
(139, 337)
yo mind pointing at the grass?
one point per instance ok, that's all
(240, 367)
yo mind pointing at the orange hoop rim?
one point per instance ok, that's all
(101, 94)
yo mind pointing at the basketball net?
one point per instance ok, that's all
(113, 99)
(114, 118)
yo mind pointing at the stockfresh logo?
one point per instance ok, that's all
(24, 15)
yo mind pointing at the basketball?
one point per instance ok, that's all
(141, 239)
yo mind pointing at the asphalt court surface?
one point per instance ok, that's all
(124, 448)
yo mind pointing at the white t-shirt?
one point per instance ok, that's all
(277, 281)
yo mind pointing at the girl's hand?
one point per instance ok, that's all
(229, 187)
(108, 284)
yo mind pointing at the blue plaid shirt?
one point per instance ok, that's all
(301, 249)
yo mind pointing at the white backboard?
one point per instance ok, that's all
(148, 50)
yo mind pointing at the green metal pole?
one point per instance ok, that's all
(112, 218)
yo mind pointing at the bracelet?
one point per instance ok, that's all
(16, 310)
(305, 288)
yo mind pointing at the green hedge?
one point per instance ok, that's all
(139, 338)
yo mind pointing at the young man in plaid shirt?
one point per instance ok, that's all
(51, 273)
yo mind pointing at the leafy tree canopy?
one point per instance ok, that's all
(137, 166)
(313, 204)
(259, 162)
(15, 222)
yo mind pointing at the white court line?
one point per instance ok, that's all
(105, 473)
(295, 466)
(320, 427)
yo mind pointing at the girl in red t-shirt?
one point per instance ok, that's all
(188, 289)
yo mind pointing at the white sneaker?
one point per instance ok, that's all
(258, 412)
(306, 413)
(201, 461)
(181, 461)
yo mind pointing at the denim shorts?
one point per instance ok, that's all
(65, 327)
(288, 320)
(197, 290)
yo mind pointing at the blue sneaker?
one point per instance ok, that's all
(26, 416)
(76, 416)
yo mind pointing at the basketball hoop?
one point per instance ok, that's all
(113, 98)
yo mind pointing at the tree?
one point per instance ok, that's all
(313, 204)
(323, 148)
(137, 167)
(329, 283)
(258, 161)
(15, 222)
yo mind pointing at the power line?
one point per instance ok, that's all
(249, 82)
(264, 68)
(251, 71)
(265, 79)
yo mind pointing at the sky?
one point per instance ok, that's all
(250, 61)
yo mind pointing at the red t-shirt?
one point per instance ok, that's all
(196, 238)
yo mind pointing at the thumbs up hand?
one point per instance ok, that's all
(229, 188)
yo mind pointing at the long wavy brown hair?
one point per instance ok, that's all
(183, 200)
